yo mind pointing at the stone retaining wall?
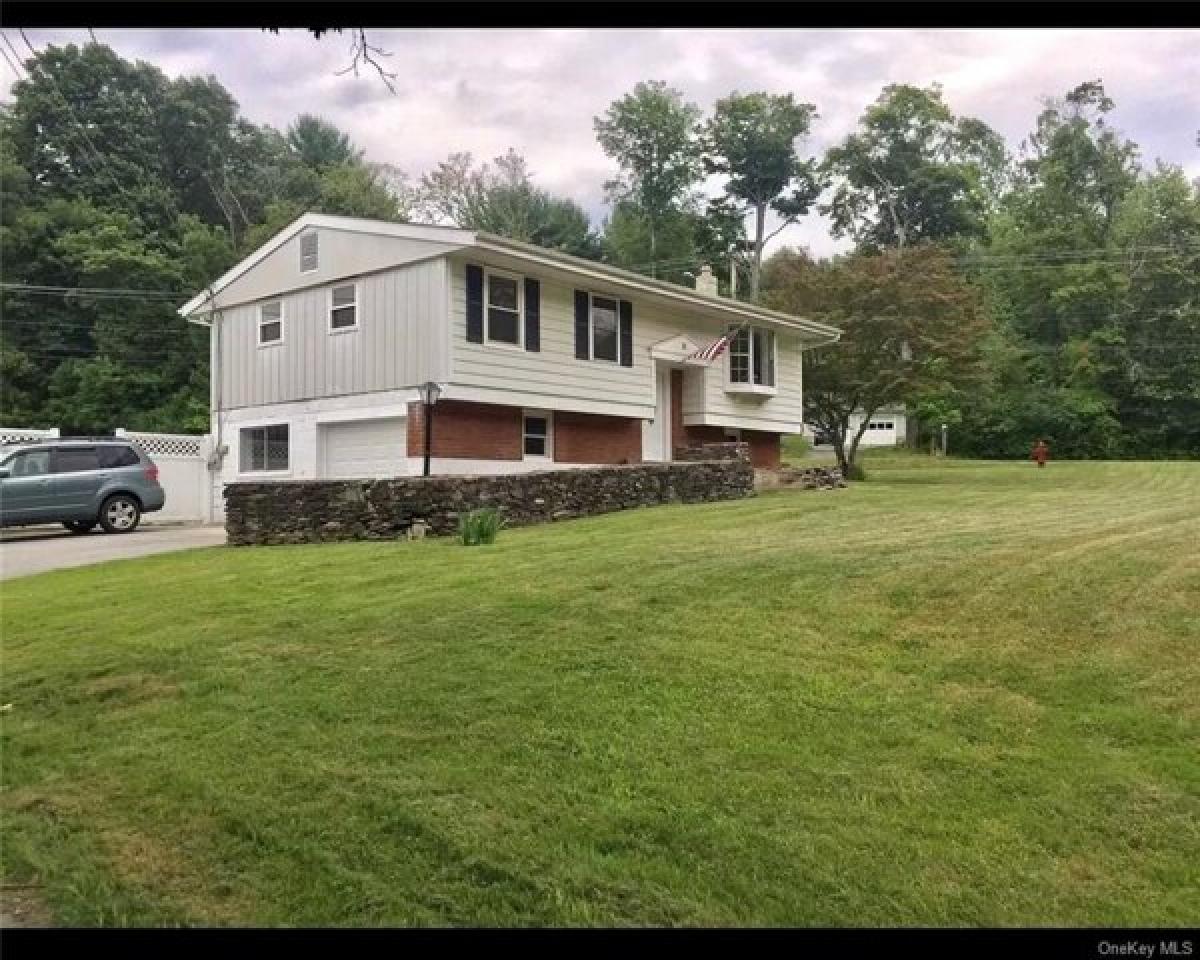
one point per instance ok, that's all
(728, 450)
(304, 511)
(805, 478)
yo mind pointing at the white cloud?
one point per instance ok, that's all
(537, 91)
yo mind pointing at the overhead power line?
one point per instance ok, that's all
(103, 292)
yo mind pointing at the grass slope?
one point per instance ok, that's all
(959, 693)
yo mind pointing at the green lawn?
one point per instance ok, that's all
(956, 694)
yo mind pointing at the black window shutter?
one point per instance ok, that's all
(474, 303)
(533, 315)
(581, 325)
(626, 333)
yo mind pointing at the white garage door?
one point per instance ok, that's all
(366, 448)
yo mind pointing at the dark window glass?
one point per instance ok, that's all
(503, 325)
(739, 357)
(35, 463)
(604, 329)
(270, 323)
(265, 448)
(118, 457)
(344, 313)
(502, 292)
(503, 315)
(75, 460)
(536, 431)
(764, 358)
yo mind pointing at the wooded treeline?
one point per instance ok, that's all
(1052, 292)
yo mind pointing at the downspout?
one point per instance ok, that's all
(217, 455)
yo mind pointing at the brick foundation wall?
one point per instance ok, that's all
(589, 438)
(695, 436)
(764, 449)
(472, 431)
(307, 511)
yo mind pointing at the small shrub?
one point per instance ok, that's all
(479, 526)
(856, 472)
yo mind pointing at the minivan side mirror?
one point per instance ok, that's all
(3, 472)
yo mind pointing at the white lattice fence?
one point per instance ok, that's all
(25, 434)
(168, 444)
(182, 461)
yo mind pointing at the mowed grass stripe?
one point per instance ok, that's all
(959, 693)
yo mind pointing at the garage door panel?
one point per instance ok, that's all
(365, 448)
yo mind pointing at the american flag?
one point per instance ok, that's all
(713, 350)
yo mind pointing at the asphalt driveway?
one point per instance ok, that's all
(26, 550)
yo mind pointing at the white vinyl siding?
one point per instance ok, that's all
(402, 340)
(554, 378)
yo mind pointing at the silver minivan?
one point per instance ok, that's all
(78, 483)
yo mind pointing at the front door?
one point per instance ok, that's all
(656, 433)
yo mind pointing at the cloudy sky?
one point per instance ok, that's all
(537, 90)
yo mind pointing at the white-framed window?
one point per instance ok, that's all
(881, 425)
(537, 435)
(270, 323)
(308, 252)
(752, 357)
(605, 332)
(503, 301)
(264, 448)
(343, 308)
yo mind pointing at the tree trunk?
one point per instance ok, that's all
(653, 252)
(760, 223)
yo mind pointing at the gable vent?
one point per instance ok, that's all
(308, 252)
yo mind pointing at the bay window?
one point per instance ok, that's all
(752, 357)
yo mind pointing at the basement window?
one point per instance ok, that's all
(264, 448)
(536, 434)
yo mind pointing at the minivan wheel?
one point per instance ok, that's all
(79, 526)
(120, 514)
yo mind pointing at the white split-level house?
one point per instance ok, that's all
(320, 338)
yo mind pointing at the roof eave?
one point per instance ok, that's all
(497, 244)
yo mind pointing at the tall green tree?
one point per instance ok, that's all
(752, 139)
(319, 145)
(911, 329)
(1089, 266)
(913, 172)
(117, 178)
(653, 135)
(503, 199)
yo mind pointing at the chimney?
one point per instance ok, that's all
(706, 283)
